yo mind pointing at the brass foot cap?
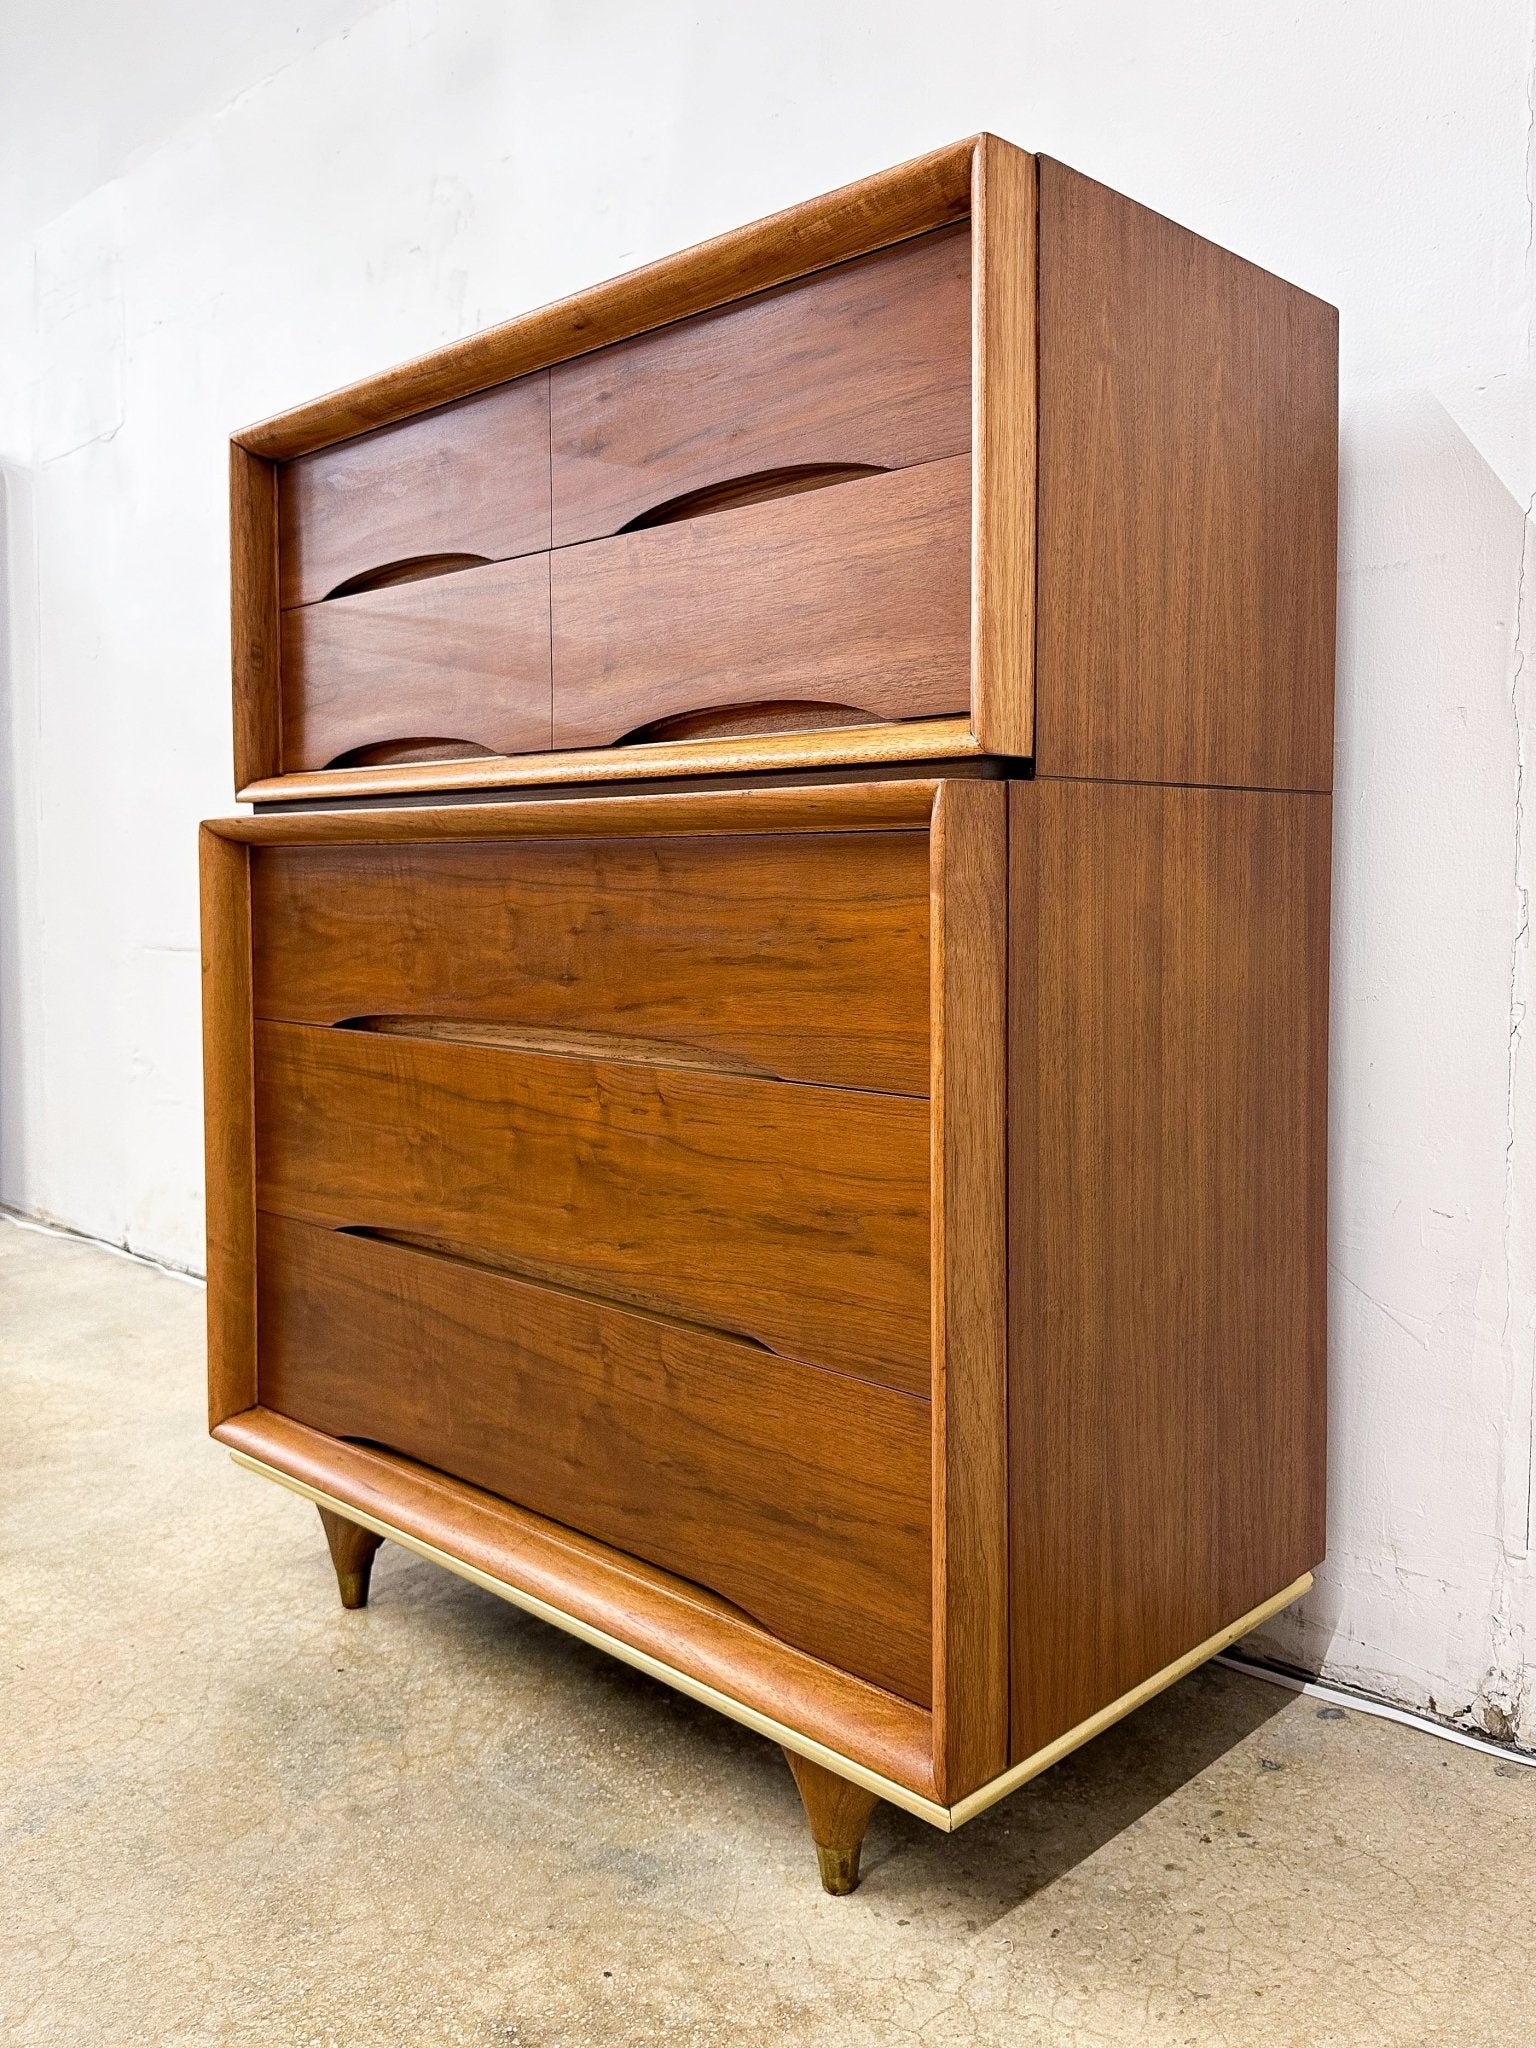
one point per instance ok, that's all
(839, 1870)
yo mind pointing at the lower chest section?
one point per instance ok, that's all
(596, 1173)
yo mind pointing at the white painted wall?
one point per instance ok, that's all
(209, 213)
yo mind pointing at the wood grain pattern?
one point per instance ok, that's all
(472, 479)
(798, 1495)
(1168, 1132)
(457, 657)
(856, 595)
(782, 807)
(627, 1202)
(929, 192)
(1004, 396)
(797, 1217)
(838, 1813)
(919, 743)
(255, 638)
(636, 1604)
(868, 364)
(800, 956)
(1188, 505)
(229, 1127)
(970, 1239)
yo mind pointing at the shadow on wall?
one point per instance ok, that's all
(17, 635)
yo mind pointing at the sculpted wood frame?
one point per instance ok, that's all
(986, 183)
(810, 1174)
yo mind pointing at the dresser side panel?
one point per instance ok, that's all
(1188, 505)
(1168, 1135)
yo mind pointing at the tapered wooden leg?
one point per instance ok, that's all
(838, 1813)
(352, 1551)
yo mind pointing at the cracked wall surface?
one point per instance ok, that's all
(209, 214)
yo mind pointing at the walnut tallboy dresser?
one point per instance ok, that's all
(767, 1031)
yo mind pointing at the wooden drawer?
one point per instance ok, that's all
(803, 957)
(468, 481)
(863, 366)
(855, 597)
(795, 1217)
(679, 1445)
(445, 667)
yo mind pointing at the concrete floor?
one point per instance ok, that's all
(232, 1814)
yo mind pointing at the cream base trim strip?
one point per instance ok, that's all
(599, 1639)
(945, 1817)
(1053, 1752)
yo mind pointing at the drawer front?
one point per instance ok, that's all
(801, 1496)
(864, 366)
(453, 663)
(803, 957)
(854, 596)
(470, 480)
(795, 1217)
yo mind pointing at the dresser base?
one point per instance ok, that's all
(938, 1814)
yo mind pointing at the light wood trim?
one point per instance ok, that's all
(646, 1617)
(854, 746)
(970, 1476)
(229, 1125)
(255, 622)
(1003, 408)
(929, 192)
(853, 807)
(622, 1046)
(1053, 1752)
(939, 1815)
